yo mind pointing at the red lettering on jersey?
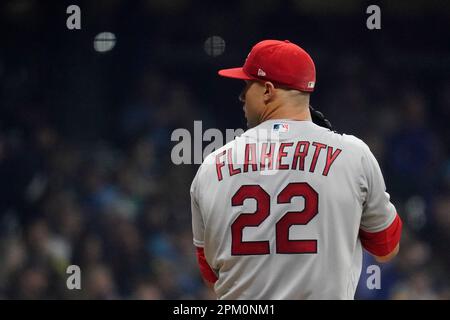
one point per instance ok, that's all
(319, 147)
(220, 165)
(230, 164)
(331, 156)
(300, 155)
(281, 154)
(250, 149)
(267, 155)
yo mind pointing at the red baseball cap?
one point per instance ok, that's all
(281, 62)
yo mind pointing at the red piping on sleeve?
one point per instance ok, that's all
(383, 242)
(206, 271)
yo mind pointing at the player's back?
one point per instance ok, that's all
(279, 210)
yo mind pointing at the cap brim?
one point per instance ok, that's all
(235, 73)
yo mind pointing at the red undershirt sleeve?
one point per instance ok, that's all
(383, 242)
(206, 271)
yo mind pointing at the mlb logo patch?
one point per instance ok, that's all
(281, 127)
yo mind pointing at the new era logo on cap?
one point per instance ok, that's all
(311, 84)
(261, 72)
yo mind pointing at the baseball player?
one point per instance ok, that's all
(284, 210)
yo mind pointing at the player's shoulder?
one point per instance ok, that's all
(211, 158)
(207, 167)
(354, 147)
(353, 142)
(356, 152)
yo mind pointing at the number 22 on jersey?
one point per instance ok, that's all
(283, 244)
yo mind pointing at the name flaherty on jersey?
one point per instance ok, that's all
(271, 156)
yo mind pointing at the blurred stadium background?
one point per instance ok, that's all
(85, 170)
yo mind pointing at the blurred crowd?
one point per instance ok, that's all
(82, 184)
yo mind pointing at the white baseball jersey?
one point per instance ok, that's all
(278, 211)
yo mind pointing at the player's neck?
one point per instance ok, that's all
(285, 111)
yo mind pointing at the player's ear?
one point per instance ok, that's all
(269, 91)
